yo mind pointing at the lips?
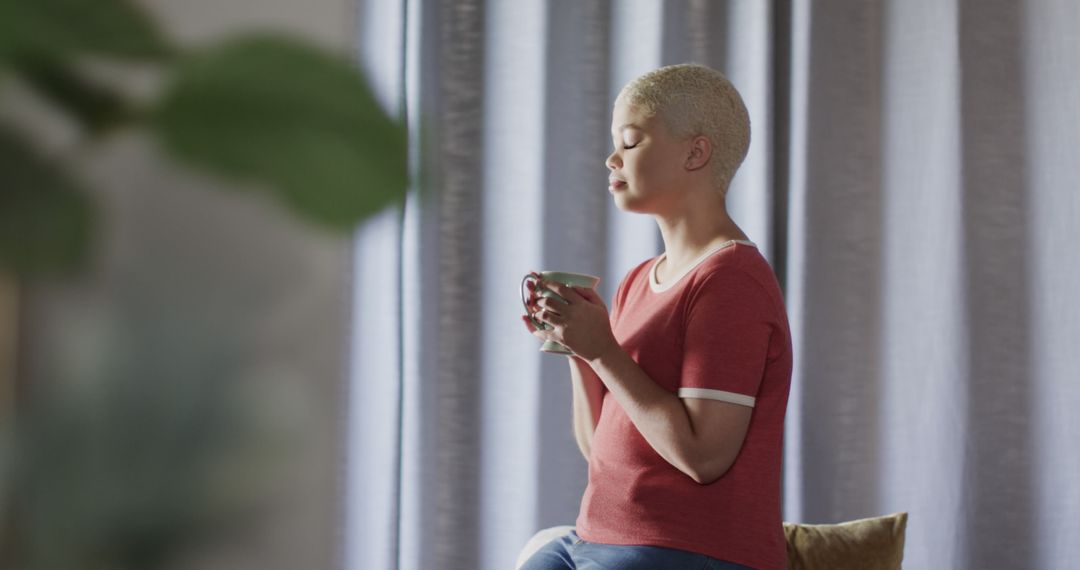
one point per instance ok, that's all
(616, 183)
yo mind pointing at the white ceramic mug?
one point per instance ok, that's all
(570, 279)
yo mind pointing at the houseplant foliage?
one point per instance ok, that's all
(121, 465)
(283, 116)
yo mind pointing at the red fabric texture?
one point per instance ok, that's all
(722, 326)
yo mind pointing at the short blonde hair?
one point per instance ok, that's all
(693, 100)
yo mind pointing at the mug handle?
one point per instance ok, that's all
(533, 276)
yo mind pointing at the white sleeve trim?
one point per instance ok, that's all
(732, 397)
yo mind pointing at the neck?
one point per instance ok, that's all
(696, 228)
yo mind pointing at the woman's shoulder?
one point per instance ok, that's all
(740, 266)
(639, 273)
(644, 265)
(738, 258)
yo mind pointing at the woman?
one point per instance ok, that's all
(680, 392)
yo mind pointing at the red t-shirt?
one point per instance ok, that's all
(718, 331)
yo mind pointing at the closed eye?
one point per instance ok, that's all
(630, 146)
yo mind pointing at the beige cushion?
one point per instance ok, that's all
(866, 544)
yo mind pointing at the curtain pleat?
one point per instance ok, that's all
(1051, 91)
(443, 294)
(835, 322)
(998, 450)
(572, 222)
(373, 444)
(923, 398)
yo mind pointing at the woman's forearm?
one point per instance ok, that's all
(588, 396)
(660, 416)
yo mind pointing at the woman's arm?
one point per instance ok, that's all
(699, 437)
(588, 397)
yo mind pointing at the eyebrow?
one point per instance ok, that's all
(626, 126)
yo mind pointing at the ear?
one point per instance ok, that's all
(699, 153)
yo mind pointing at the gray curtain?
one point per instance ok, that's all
(911, 179)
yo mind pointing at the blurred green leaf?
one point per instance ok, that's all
(117, 28)
(45, 217)
(300, 121)
(95, 106)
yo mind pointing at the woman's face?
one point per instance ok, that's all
(647, 165)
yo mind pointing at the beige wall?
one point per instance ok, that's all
(178, 243)
(331, 23)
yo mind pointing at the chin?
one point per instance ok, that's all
(628, 203)
(622, 202)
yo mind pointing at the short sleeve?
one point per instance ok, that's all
(619, 298)
(726, 340)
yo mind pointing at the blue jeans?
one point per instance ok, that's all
(570, 552)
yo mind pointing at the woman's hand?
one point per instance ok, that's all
(581, 325)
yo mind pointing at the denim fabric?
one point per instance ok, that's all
(570, 552)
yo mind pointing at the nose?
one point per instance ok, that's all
(613, 162)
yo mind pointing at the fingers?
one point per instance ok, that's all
(564, 291)
(548, 305)
(538, 333)
(549, 309)
(550, 317)
(536, 295)
(572, 294)
(531, 286)
(545, 314)
(528, 323)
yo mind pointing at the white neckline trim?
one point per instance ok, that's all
(658, 287)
